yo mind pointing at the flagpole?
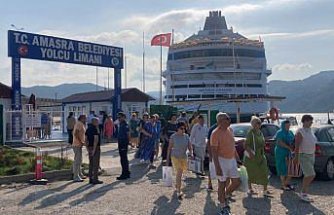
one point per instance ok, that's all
(143, 83)
(97, 78)
(160, 73)
(172, 36)
(125, 72)
(108, 78)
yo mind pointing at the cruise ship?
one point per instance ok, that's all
(218, 69)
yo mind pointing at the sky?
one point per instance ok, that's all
(298, 34)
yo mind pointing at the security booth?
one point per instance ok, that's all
(24, 45)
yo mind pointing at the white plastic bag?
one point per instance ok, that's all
(243, 178)
(212, 169)
(167, 175)
(195, 165)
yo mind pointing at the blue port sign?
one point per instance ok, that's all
(49, 48)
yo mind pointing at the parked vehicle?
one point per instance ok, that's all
(240, 131)
(324, 152)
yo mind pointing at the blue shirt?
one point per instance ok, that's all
(123, 130)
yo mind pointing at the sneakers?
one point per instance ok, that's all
(267, 194)
(225, 211)
(304, 197)
(78, 180)
(123, 177)
(83, 177)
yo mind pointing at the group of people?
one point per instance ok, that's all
(106, 125)
(221, 150)
(183, 138)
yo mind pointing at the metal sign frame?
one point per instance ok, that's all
(49, 48)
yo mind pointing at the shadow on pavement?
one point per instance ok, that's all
(322, 188)
(193, 185)
(164, 206)
(112, 152)
(58, 198)
(155, 176)
(210, 205)
(43, 193)
(293, 204)
(256, 205)
(95, 194)
(18, 188)
(317, 187)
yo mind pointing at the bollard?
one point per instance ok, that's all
(39, 169)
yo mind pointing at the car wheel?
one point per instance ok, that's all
(329, 170)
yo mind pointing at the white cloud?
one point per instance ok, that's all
(289, 72)
(295, 35)
(186, 21)
(115, 38)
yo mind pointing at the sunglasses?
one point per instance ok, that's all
(182, 128)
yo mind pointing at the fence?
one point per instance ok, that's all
(34, 125)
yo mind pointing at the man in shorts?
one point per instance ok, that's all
(224, 157)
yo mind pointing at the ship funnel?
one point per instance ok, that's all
(215, 21)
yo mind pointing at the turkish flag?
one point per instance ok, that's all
(161, 40)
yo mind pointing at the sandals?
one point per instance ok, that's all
(267, 194)
(209, 188)
(180, 195)
(251, 192)
(288, 188)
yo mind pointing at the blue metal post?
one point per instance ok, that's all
(117, 103)
(16, 99)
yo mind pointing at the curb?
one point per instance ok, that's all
(50, 175)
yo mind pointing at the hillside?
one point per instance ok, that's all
(60, 91)
(313, 94)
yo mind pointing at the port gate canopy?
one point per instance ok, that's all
(48, 48)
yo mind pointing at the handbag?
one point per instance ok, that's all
(294, 169)
(167, 175)
(195, 165)
(254, 149)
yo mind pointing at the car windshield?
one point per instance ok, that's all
(240, 130)
(293, 120)
(269, 131)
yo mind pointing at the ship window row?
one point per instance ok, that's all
(221, 52)
(217, 76)
(215, 64)
(211, 96)
(215, 85)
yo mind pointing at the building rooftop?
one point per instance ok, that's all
(5, 91)
(127, 95)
